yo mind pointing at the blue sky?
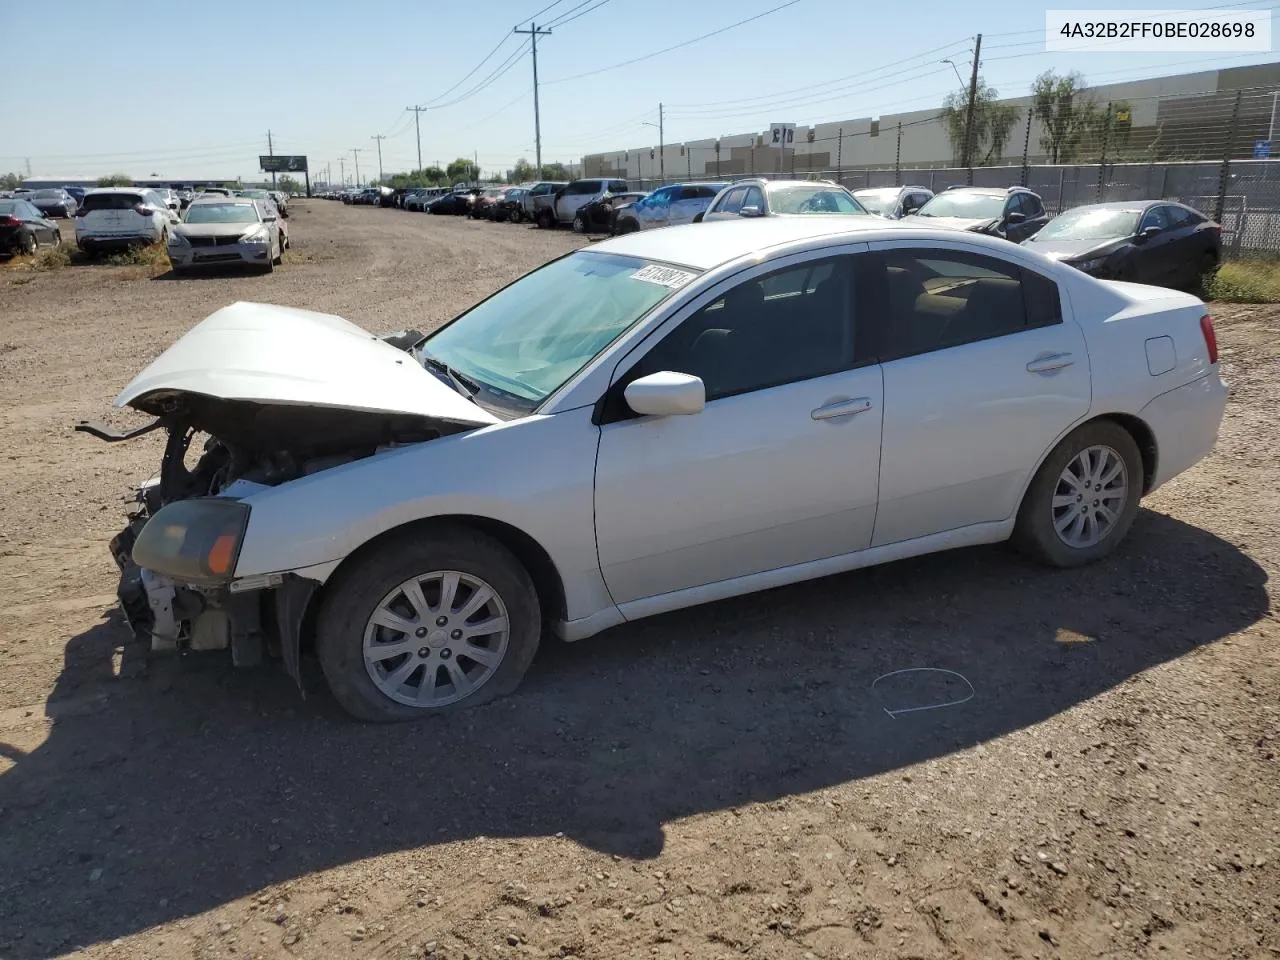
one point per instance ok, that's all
(184, 90)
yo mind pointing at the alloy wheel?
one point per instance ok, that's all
(1090, 496)
(436, 639)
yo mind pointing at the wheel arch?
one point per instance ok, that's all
(547, 581)
(1135, 426)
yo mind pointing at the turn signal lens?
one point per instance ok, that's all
(1210, 337)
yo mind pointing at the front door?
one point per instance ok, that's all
(983, 370)
(652, 210)
(781, 465)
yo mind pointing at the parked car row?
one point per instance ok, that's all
(1159, 242)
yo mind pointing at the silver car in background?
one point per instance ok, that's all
(226, 230)
(893, 203)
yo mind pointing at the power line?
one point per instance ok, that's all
(566, 18)
(658, 53)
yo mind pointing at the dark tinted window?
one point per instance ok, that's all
(1155, 217)
(1182, 216)
(111, 201)
(1031, 205)
(732, 202)
(617, 186)
(582, 188)
(754, 198)
(793, 324)
(8, 207)
(936, 299)
(698, 193)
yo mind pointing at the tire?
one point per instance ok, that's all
(544, 220)
(579, 223)
(57, 238)
(1035, 532)
(1208, 269)
(270, 266)
(372, 582)
(30, 244)
(626, 226)
(279, 258)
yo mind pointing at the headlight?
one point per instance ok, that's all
(196, 541)
(1087, 265)
(258, 236)
(178, 240)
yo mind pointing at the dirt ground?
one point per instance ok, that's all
(737, 779)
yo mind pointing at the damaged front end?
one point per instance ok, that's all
(252, 398)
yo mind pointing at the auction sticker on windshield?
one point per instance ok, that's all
(664, 276)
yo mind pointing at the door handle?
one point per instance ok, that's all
(842, 408)
(1050, 363)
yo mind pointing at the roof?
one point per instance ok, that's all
(1126, 205)
(221, 199)
(706, 245)
(100, 190)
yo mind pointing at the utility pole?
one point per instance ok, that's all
(379, 137)
(968, 114)
(534, 33)
(417, 130)
(342, 170)
(355, 152)
(271, 152)
(662, 168)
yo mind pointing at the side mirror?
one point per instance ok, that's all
(751, 211)
(1149, 232)
(268, 219)
(666, 394)
(1015, 217)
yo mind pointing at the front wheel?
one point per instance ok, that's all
(30, 244)
(428, 623)
(579, 223)
(1084, 497)
(545, 220)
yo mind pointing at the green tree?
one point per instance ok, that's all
(286, 184)
(116, 180)
(992, 123)
(10, 181)
(556, 171)
(522, 172)
(463, 169)
(1068, 116)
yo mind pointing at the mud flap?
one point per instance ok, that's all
(292, 597)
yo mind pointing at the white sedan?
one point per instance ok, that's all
(662, 419)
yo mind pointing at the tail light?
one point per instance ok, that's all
(1210, 337)
(10, 222)
(142, 209)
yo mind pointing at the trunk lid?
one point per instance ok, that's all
(259, 353)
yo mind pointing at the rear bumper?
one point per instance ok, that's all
(1185, 422)
(88, 243)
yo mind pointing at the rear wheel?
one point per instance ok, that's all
(1084, 497)
(426, 624)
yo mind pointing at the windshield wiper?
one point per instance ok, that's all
(467, 388)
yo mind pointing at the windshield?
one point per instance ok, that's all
(877, 201)
(47, 195)
(815, 199)
(529, 338)
(221, 213)
(1091, 223)
(255, 194)
(967, 206)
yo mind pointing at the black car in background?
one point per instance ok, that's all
(510, 206)
(54, 202)
(600, 215)
(1014, 213)
(24, 228)
(1145, 241)
(457, 203)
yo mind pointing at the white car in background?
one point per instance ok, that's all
(116, 217)
(662, 419)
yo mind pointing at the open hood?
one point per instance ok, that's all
(256, 353)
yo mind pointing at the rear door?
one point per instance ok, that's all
(984, 368)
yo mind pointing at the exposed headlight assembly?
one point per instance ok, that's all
(194, 541)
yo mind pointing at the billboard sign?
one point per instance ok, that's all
(782, 135)
(282, 164)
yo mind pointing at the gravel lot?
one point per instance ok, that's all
(711, 783)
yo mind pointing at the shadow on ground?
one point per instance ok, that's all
(194, 785)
